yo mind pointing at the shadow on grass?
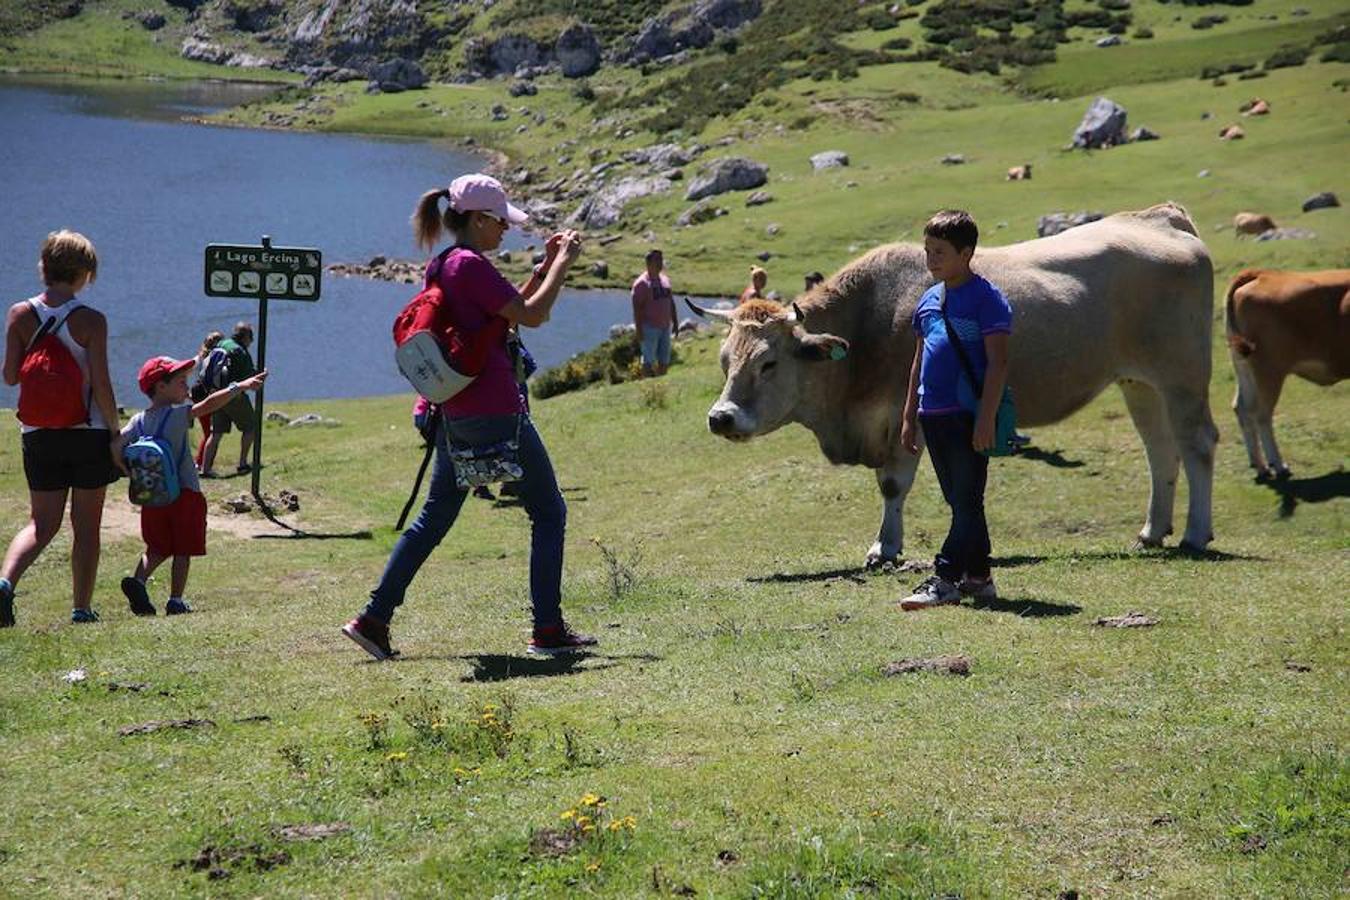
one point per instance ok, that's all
(490, 667)
(1293, 491)
(1147, 554)
(294, 533)
(1053, 458)
(510, 500)
(1026, 607)
(853, 573)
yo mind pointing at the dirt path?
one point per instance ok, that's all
(121, 519)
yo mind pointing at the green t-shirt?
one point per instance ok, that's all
(241, 364)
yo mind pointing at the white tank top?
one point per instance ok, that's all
(46, 313)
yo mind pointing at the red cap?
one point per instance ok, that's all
(158, 368)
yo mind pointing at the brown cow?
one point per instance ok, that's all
(1020, 173)
(1252, 223)
(1282, 323)
(1232, 133)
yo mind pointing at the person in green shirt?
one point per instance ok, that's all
(238, 413)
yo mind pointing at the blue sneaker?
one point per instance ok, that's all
(176, 608)
(83, 617)
(6, 607)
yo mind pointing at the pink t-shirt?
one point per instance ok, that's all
(653, 300)
(475, 292)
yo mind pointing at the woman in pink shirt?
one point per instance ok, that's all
(488, 411)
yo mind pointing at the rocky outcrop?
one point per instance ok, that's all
(359, 34)
(1103, 125)
(504, 55)
(730, 174)
(577, 51)
(830, 159)
(396, 75)
(605, 207)
(252, 17)
(692, 27)
(1054, 223)
(1324, 200)
(199, 50)
(700, 213)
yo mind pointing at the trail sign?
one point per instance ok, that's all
(263, 272)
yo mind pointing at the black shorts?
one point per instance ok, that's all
(55, 459)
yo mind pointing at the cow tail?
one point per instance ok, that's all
(1240, 344)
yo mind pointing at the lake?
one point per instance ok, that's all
(116, 161)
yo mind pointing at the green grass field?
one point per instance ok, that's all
(735, 708)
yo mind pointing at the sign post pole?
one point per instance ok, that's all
(262, 364)
(263, 273)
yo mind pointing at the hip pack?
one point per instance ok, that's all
(52, 392)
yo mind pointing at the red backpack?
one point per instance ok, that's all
(51, 385)
(437, 357)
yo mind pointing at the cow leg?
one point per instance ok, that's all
(1245, 404)
(1150, 420)
(1195, 435)
(894, 479)
(1268, 388)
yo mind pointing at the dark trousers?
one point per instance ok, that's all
(961, 472)
(538, 492)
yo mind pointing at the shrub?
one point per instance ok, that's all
(1143, 34)
(584, 92)
(879, 20)
(1204, 22)
(899, 43)
(614, 361)
(1338, 53)
(1288, 57)
(1114, 5)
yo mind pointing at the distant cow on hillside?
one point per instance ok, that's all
(1252, 223)
(1283, 323)
(1125, 300)
(1020, 173)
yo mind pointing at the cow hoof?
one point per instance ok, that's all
(876, 562)
(1189, 549)
(1283, 474)
(1147, 543)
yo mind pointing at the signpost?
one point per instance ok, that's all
(262, 273)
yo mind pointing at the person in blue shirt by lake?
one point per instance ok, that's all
(942, 401)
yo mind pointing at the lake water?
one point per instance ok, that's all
(116, 162)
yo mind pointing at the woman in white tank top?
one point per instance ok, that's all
(76, 461)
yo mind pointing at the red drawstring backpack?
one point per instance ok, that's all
(51, 386)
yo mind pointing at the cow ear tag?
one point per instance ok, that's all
(837, 353)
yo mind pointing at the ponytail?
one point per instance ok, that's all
(209, 344)
(428, 221)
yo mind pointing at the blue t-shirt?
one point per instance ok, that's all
(975, 309)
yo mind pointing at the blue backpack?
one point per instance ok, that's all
(215, 369)
(152, 466)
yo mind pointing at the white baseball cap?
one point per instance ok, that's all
(485, 194)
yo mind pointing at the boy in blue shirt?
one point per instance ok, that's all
(942, 401)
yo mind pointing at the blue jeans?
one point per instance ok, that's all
(962, 473)
(655, 345)
(538, 493)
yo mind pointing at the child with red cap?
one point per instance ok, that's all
(178, 530)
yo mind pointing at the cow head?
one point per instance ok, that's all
(766, 358)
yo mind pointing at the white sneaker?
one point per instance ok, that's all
(978, 588)
(934, 591)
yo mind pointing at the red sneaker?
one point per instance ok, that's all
(371, 635)
(552, 640)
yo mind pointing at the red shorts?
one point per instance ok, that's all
(178, 529)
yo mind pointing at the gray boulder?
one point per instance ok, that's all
(505, 55)
(691, 27)
(1144, 134)
(1054, 223)
(1286, 234)
(660, 156)
(1111, 40)
(830, 159)
(759, 198)
(699, 213)
(577, 51)
(150, 20)
(605, 207)
(396, 75)
(954, 159)
(1324, 200)
(1103, 125)
(522, 89)
(730, 174)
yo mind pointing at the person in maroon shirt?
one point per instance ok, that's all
(654, 315)
(490, 410)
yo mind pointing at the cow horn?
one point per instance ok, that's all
(796, 315)
(702, 313)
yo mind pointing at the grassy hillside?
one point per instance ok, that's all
(735, 708)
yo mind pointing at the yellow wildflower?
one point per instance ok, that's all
(588, 828)
(589, 799)
(583, 821)
(569, 814)
(630, 823)
(593, 867)
(461, 773)
(400, 756)
(614, 826)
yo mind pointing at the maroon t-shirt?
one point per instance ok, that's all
(475, 292)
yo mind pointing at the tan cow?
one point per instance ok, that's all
(1283, 323)
(1020, 173)
(1125, 300)
(1252, 223)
